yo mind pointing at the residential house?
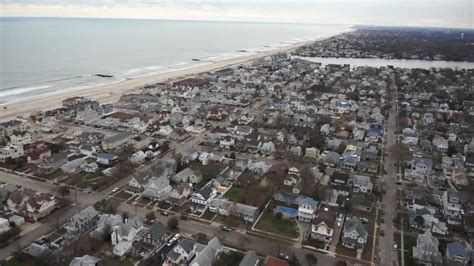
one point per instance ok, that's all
(187, 175)
(459, 253)
(307, 209)
(221, 206)
(182, 252)
(87, 149)
(452, 207)
(20, 138)
(362, 183)
(349, 162)
(179, 134)
(250, 259)
(339, 182)
(227, 143)
(152, 240)
(116, 140)
(323, 225)
(106, 158)
(312, 152)
(371, 152)
(267, 148)
(440, 144)
(200, 200)
(157, 188)
(11, 152)
(371, 167)
(354, 234)
(459, 178)
(426, 250)
(180, 194)
(82, 221)
(331, 158)
(85, 260)
(14, 125)
(91, 167)
(363, 202)
(124, 235)
(420, 169)
(74, 166)
(52, 163)
(137, 184)
(245, 212)
(189, 155)
(209, 254)
(31, 204)
(4, 225)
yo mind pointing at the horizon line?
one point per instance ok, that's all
(240, 21)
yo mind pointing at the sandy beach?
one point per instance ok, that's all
(111, 93)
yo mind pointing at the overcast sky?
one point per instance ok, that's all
(436, 13)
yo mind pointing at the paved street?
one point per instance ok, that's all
(386, 253)
(235, 238)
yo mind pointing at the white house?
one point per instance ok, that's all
(362, 183)
(91, 167)
(182, 252)
(31, 204)
(11, 152)
(157, 188)
(200, 200)
(227, 143)
(452, 206)
(307, 209)
(4, 225)
(323, 225)
(20, 138)
(354, 235)
(124, 235)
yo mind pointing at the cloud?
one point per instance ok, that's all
(438, 13)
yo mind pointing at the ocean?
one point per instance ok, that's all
(48, 55)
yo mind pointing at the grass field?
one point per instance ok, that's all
(235, 194)
(408, 242)
(271, 223)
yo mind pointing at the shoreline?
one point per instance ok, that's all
(112, 92)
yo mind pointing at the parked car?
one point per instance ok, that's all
(283, 256)
(164, 213)
(382, 232)
(226, 229)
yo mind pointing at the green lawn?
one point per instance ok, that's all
(53, 175)
(314, 243)
(61, 231)
(408, 243)
(341, 250)
(271, 223)
(91, 176)
(123, 195)
(235, 194)
(208, 215)
(74, 157)
(74, 179)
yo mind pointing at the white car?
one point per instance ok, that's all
(115, 189)
(171, 242)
